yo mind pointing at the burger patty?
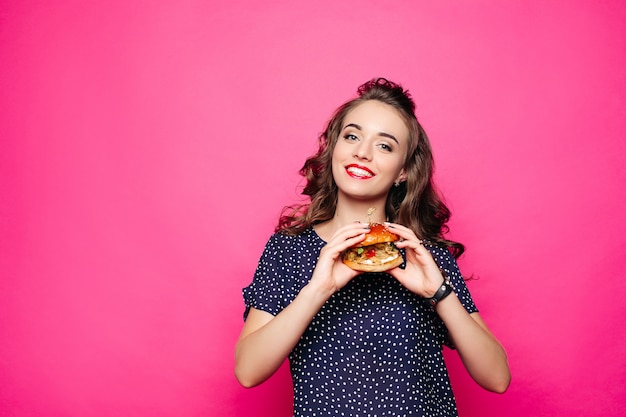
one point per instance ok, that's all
(376, 254)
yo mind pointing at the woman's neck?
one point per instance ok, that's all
(366, 212)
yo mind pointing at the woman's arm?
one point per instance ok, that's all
(482, 355)
(265, 340)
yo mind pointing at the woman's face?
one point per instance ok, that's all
(370, 152)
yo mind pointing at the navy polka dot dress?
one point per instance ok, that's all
(374, 349)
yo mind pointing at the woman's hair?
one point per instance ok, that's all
(414, 203)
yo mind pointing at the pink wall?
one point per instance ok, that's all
(146, 149)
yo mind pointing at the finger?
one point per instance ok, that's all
(349, 230)
(412, 244)
(349, 242)
(404, 232)
(344, 240)
(409, 244)
(350, 233)
(420, 257)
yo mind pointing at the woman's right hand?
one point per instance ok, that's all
(331, 274)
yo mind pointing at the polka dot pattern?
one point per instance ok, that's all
(374, 349)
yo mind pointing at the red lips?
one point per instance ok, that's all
(359, 172)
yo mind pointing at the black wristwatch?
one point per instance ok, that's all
(443, 291)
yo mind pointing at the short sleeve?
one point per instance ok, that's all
(446, 262)
(267, 290)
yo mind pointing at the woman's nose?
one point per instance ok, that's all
(363, 151)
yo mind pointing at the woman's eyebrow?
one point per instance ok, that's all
(354, 125)
(387, 135)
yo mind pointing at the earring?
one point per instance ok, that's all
(397, 183)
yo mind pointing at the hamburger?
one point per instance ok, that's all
(376, 253)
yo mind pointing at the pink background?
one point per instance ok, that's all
(147, 148)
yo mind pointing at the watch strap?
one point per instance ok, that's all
(444, 290)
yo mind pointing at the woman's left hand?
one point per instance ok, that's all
(421, 275)
(481, 353)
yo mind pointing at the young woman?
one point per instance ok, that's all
(366, 344)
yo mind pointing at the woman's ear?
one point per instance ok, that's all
(401, 177)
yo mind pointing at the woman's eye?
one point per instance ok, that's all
(350, 136)
(385, 147)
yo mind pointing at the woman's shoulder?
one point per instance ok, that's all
(442, 255)
(308, 237)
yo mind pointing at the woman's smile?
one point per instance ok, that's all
(359, 172)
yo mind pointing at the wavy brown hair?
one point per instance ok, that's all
(415, 203)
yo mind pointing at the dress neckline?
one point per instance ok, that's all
(316, 235)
